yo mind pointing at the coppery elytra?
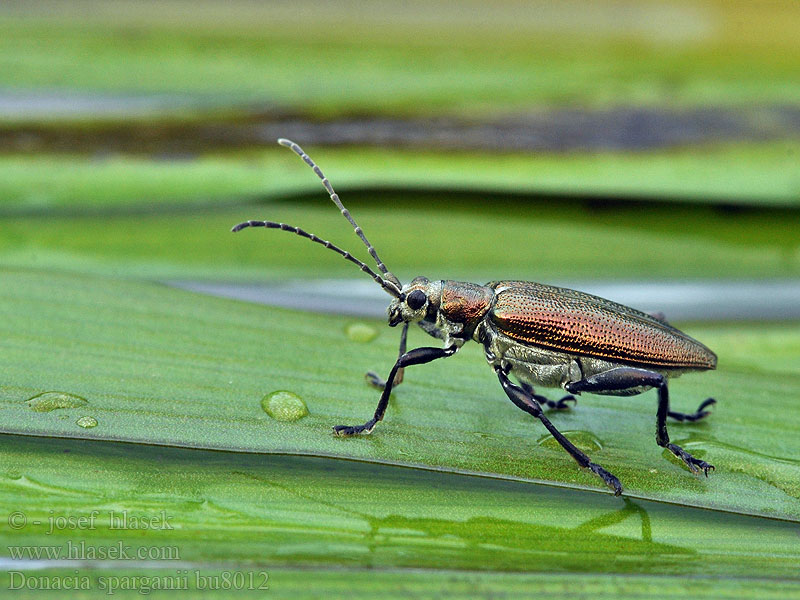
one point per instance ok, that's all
(542, 335)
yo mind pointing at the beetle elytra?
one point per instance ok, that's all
(542, 335)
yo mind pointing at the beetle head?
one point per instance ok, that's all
(419, 299)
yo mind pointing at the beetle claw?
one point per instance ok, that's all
(706, 467)
(562, 403)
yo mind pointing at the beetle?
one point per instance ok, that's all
(540, 334)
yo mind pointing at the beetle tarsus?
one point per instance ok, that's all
(610, 480)
(695, 416)
(379, 383)
(695, 464)
(350, 431)
(560, 404)
(662, 437)
(374, 380)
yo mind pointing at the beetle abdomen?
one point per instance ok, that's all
(579, 323)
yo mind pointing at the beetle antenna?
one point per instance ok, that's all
(389, 286)
(335, 197)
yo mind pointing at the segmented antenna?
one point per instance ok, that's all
(335, 197)
(389, 286)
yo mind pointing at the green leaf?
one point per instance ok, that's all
(162, 366)
(294, 584)
(436, 235)
(743, 173)
(276, 512)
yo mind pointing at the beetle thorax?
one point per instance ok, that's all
(465, 304)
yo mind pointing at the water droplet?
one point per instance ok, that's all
(585, 440)
(284, 406)
(86, 422)
(48, 401)
(361, 332)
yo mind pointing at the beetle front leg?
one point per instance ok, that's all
(374, 380)
(632, 380)
(526, 402)
(418, 356)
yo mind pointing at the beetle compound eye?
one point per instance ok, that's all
(416, 300)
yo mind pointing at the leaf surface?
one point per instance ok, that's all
(161, 366)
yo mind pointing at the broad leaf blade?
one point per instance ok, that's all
(168, 367)
(742, 173)
(430, 234)
(300, 511)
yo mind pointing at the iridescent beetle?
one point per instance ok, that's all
(543, 335)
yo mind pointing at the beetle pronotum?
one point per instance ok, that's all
(542, 335)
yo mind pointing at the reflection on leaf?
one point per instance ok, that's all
(294, 511)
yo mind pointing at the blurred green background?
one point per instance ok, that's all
(143, 109)
(586, 141)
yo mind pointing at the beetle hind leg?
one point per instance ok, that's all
(662, 437)
(525, 401)
(560, 404)
(623, 381)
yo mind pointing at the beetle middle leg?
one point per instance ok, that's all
(374, 380)
(629, 380)
(560, 404)
(526, 402)
(418, 356)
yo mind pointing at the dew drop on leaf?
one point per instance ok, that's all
(48, 401)
(284, 406)
(86, 422)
